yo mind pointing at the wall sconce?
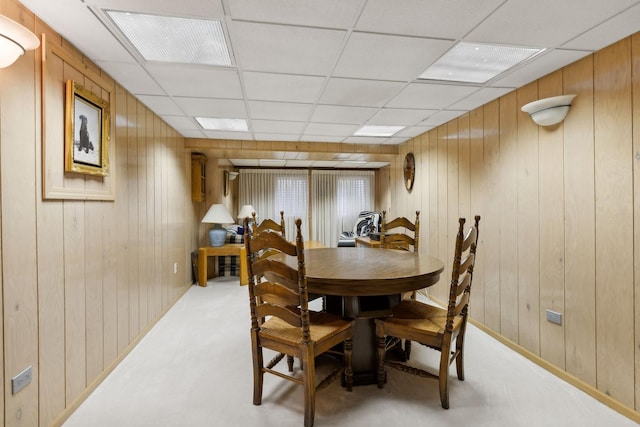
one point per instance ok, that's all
(549, 111)
(228, 176)
(15, 40)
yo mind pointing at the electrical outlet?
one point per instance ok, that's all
(175, 267)
(21, 380)
(554, 317)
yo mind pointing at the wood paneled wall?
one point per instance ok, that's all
(82, 281)
(560, 210)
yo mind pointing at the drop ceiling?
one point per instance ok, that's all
(312, 71)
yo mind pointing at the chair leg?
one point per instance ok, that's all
(443, 374)
(460, 357)
(348, 357)
(407, 349)
(290, 363)
(309, 380)
(258, 373)
(380, 344)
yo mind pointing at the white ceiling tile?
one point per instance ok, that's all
(275, 136)
(433, 18)
(396, 140)
(365, 140)
(286, 48)
(396, 57)
(359, 92)
(181, 123)
(325, 163)
(413, 131)
(442, 117)
(327, 13)
(281, 87)
(266, 110)
(244, 162)
(341, 114)
(430, 96)
(133, 77)
(192, 133)
(197, 81)
(541, 66)
(273, 126)
(329, 129)
(161, 105)
(216, 134)
(544, 23)
(208, 9)
(401, 117)
(221, 108)
(480, 98)
(299, 163)
(612, 30)
(321, 138)
(272, 163)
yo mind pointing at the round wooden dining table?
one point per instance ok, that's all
(364, 284)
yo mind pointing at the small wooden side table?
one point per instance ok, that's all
(237, 249)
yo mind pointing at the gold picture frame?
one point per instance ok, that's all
(86, 131)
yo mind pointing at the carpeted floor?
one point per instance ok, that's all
(193, 369)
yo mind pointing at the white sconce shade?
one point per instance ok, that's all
(549, 111)
(15, 40)
(233, 175)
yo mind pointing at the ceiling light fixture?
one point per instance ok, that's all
(549, 111)
(15, 40)
(371, 130)
(234, 125)
(477, 62)
(173, 39)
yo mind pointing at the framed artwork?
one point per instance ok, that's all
(409, 171)
(86, 131)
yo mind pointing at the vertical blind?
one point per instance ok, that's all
(336, 198)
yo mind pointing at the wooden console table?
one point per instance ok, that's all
(237, 249)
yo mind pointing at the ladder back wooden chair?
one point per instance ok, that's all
(269, 224)
(290, 328)
(397, 239)
(433, 326)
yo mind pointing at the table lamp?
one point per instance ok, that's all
(245, 212)
(217, 215)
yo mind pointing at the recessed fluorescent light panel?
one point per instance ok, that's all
(371, 130)
(476, 62)
(235, 125)
(173, 39)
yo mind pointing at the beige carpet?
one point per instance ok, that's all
(193, 369)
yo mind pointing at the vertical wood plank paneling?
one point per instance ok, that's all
(441, 289)
(17, 210)
(423, 148)
(508, 186)
(491, 218)
(476, 188)
(579, 226)
(152, 140)
(51, 341)
(635, 75)
(614, 221)
(93, 289)
(158, 280)
(121, 206)
(452, 192)
(74, 292)
(528, 227)
(143, 219)
(134, 248)
(109, 282)
(432, 148)
(464, 184)
(551, 222)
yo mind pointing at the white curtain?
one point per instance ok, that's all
(270, 191)
(337, 199)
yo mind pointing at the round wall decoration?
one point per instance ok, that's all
(409, 171)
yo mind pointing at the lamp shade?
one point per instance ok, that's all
(549, 111)
(217, 215)
(15, 40)
(245, 212)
